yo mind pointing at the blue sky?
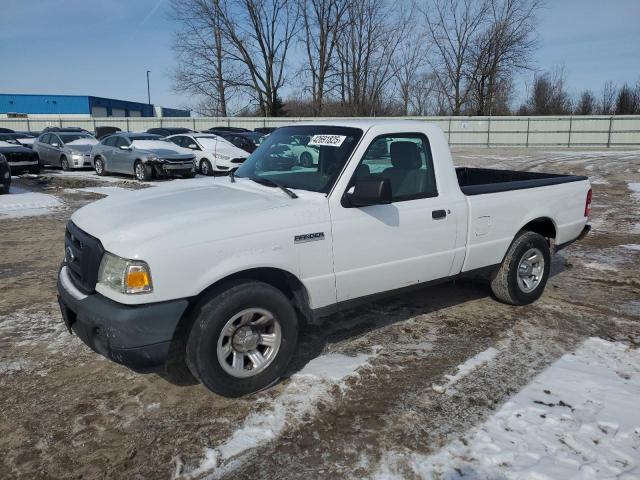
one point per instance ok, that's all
(104, 48)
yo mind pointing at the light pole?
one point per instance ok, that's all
(148, 89)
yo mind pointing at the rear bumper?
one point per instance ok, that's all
(136, 336)
(585, 231)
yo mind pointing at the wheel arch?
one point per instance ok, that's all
(545, 226)
(285, 281)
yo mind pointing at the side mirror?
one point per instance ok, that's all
(370, 191)
(55, 144)
(193, 146)
(125, 147)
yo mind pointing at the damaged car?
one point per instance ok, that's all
(142, 155)
(21, 159)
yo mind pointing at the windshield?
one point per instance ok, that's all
(305, 157)
(209, 143)
(150, 136)
(72, 137)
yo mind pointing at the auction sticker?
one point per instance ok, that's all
(327, 140)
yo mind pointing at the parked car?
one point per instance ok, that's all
(229, 270)
(66, 149)
(213, 153)
(265, 130)
(18, 138)
(307, 155)
(166, 131)
(21, 159)
(5, 175)
(6, 130)
(105, 131)
(229, 129)
(65, 130)
(143, 155)
(247, 141)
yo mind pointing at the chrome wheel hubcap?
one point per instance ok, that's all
(204, 168)
(530, 270)
(139, 172)
(249, 342)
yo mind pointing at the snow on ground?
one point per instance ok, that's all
(577, 419)
(466, 368)
(23, 203)
(300, 397)
(108, 190)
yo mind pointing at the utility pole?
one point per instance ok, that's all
(148, 89)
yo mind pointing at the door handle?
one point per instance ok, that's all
(438, 214)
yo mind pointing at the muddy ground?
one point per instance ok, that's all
(68, 413)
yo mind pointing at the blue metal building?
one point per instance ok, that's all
(62, 105)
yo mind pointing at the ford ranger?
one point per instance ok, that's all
(223, 272)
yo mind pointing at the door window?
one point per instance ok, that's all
(121, 141)
(46, 138)
(109, 141)
(405, 160)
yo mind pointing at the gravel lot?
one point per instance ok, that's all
(370, 392)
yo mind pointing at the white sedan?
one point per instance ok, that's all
(213, 153)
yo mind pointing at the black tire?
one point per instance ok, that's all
(64, 163)
(99, 167)
(507, 285)
(189, 175)
(142, 172)
(205, 167)
(306, 160)
(213, 313)
(6, 187)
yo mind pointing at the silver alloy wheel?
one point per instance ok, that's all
(140, 171)
(530, 270)
(99, 166)
(204, 167)
(64, 164)
(249, 342)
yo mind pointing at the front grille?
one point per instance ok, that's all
(83, 254)
(238, 160)
(19, 157)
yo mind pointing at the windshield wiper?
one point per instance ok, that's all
(272, 183)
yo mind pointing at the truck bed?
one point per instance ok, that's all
(478, 181)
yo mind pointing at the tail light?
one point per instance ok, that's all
(587, 204)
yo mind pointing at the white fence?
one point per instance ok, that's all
(568, 131)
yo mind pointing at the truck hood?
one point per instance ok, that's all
(176, 209)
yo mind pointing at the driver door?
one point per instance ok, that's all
(411, 240)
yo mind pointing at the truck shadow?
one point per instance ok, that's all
(354, 322)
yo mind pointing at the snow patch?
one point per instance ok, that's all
(23, 203)
(577, 419)
(631, 246)
(300, 397)
(467, 367)
(100, 190)
(600, 266)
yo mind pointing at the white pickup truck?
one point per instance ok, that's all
(223, 272)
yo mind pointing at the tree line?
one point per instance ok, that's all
(370, 57)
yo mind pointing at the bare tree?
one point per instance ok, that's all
(453, 27)
(608, 98)
(258, 35)
(365, 50)
(408, 61)
(504, 48)
(586, 104)
(548, 95)
(204, 69)
(626, 103)
(322, 21)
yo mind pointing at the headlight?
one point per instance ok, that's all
(124, 276)
(77, 156)
(222, 157)
(153, 158)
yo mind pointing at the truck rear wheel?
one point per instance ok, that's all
(243, 338)
(524, 272)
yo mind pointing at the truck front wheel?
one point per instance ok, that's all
(523, 274)
(243, 338)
